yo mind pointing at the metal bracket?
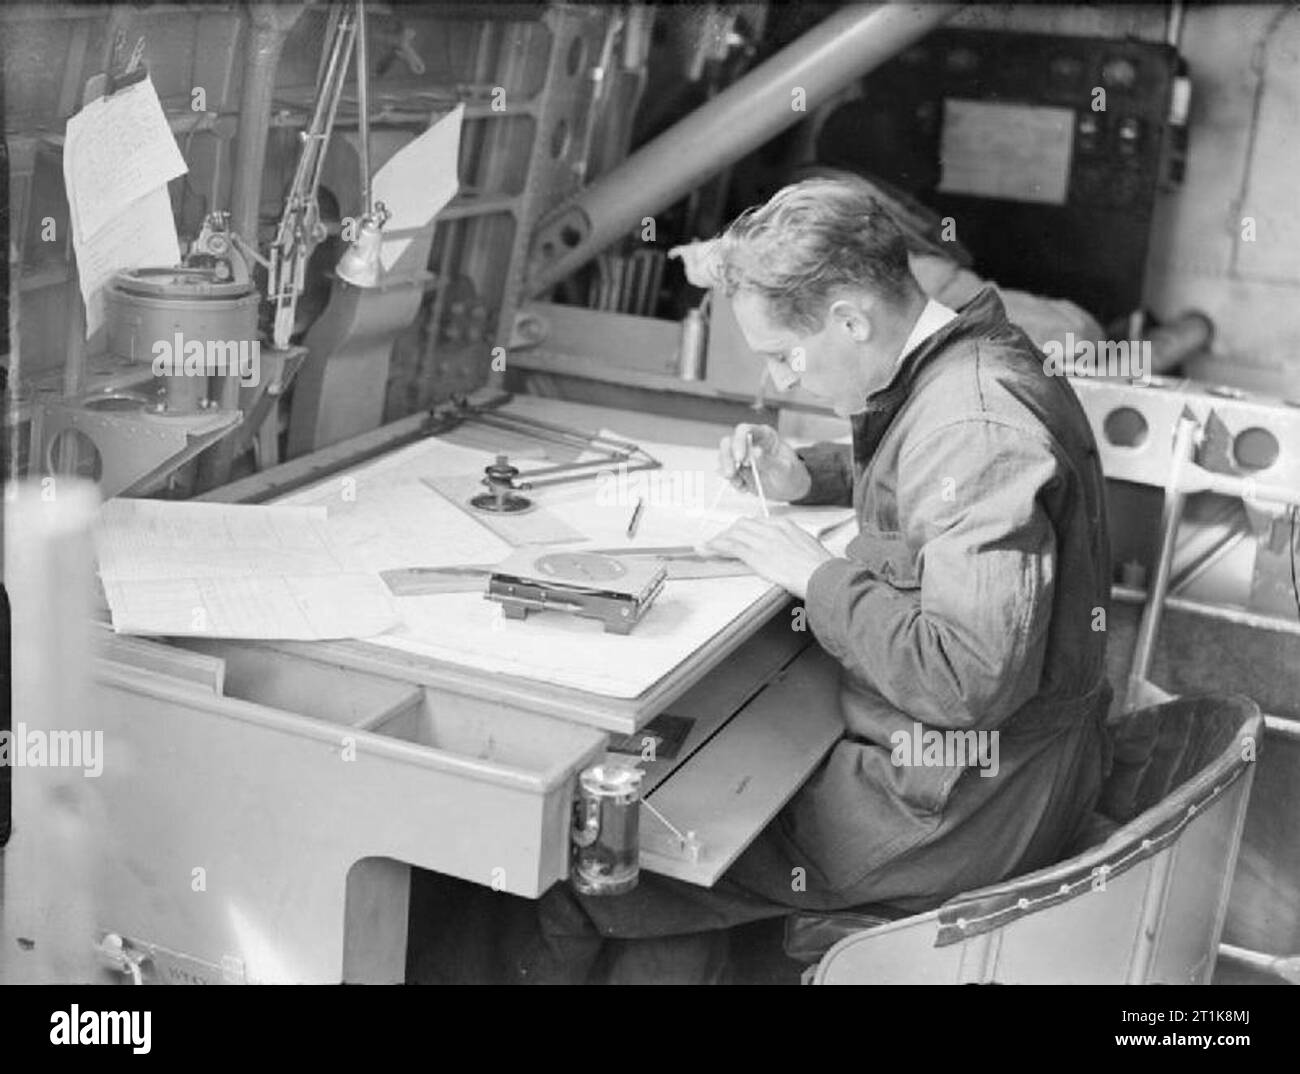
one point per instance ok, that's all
(610, 453)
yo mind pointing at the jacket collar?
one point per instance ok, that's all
(977, 317)
(982, 312)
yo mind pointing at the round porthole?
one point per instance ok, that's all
(117, 402)
(1125, 427)
(74, 445)
(1255, 449)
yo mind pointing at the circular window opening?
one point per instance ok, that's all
(560, 139)
(74, 445)
(1125, 427)
(1255, 449)
(570, 235)
(114, 403)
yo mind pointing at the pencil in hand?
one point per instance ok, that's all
(758, 481)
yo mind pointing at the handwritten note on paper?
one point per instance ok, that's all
(117, 149)
(221, 571)
(144, 233)
(418, 181)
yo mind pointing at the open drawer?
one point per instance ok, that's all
(303, 767)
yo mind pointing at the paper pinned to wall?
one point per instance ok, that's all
(226, 571)
(417, 182)
(116, 150)
(142, 234)
(991, 149)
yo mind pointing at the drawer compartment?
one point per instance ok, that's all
(257, 672)
(275, 807)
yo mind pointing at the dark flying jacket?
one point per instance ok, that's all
(974, 597)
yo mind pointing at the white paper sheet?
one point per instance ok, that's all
(143, 233)
(383, 516)
(384, 513)
(685, 501)
(565, 650)
(222, 571)
(418, 181)
(117, 149)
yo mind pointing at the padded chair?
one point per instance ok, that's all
(1141, 901)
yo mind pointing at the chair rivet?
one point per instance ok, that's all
(961, 922)
(1023, 903)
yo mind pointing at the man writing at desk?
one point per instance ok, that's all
(972, 598)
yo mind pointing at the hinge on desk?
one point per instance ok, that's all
(686, 845)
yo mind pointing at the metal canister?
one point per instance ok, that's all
(606, 830)
(177, 305)
(690, 357)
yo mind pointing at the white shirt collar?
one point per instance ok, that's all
(933, 317)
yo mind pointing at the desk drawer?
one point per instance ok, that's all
(279, 799)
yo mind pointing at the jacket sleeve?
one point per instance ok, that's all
(965, 647)
(831, 469)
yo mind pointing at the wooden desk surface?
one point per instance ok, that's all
(614, 714)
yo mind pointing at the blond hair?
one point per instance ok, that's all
(811, 241)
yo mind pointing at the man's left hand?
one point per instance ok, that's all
(775, 549)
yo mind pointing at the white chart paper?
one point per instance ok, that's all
(384, 513)
(223, 571)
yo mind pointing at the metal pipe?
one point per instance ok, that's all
(363, 105)
(845, 46)
(1287, 968)
(269, 26)
(1227, 614)
(1175, 500)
